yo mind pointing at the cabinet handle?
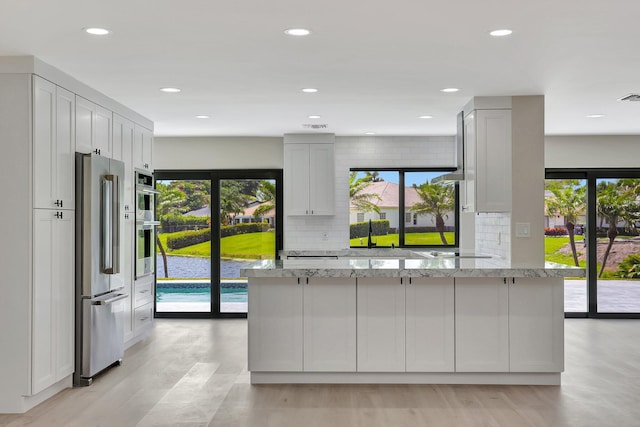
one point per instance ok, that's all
(513, 280)
(505, 280)
(59, 215)
(144, 291)
(97, 151)
(142, 319)
(58, 203)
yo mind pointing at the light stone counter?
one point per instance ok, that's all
(410, 267)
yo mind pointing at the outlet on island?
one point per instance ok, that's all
(324, 236)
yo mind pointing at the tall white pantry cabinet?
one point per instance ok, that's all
(40, 124)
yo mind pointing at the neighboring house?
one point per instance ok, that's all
(388, 202)
(245, 217)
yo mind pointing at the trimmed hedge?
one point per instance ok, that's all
(189, 238)
(361, 229)
(173, 223)
(249, 227)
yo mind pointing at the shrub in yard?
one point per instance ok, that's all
(188, 238)
(555, 231)
(380, 227)
(629, 268)
(250, 227)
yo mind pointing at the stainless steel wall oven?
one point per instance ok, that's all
(145, 224)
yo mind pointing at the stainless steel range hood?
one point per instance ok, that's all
(458, 174)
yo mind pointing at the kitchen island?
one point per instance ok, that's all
(456, 320)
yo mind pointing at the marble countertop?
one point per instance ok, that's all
(405, 267)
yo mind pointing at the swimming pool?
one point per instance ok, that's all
(180, 291)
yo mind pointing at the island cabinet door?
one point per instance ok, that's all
(330, 324)
(536, 324)
(430, 324)
(275, 324)
(381, 325)
(482, 324)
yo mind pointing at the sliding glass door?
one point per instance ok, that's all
(618, 245)
(212, 223)
(247, 234)
(593, 219)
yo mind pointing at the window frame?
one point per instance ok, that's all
(401, 202)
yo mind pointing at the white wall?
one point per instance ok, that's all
(217, 153)
(592, 151)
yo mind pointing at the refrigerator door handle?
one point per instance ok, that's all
(111, 225)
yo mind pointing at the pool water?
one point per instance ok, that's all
(199, 292)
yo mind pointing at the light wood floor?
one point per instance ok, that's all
(193, 373)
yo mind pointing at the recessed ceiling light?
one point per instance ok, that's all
(369, 133)
(501, 33)
(449, 89)
(203, 116)
(425, 117)
(313, 117)
(310, 90)
(594, 116)
(297, 32)
(97, 31)
(170, 89)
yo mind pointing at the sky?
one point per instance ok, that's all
(410, 178)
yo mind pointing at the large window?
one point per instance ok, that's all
(213, 223)
(593, 220)
(402, 207)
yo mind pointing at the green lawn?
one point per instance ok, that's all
(426, 239)
(553, 244)
(244, 246)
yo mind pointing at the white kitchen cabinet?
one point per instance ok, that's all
(53, 146)
(329, 324)
(381, 325)
(430, 324)
(487, 136)
(123, 151)
(53, 297)
(309, 179)
(482, 324)
(143, 148)
(536, 324)
(126, 263)
(93, 128)
(275, 324)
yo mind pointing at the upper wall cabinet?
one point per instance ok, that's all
(123, 151)
(93, 128)
(487, 154)
(309, 179)
(142, 148)
(54, 145)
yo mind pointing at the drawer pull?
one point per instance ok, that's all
(142, 319)
(144, 291)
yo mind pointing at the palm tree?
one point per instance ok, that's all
(616, 202)
(266, 195)
(360, 199)
(569, 200)
(232, 200)
(438, 199)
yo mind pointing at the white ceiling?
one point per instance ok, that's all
(378, 64)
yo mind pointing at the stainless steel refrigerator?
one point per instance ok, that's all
(99, 284)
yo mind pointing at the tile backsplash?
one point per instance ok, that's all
(493, 234)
